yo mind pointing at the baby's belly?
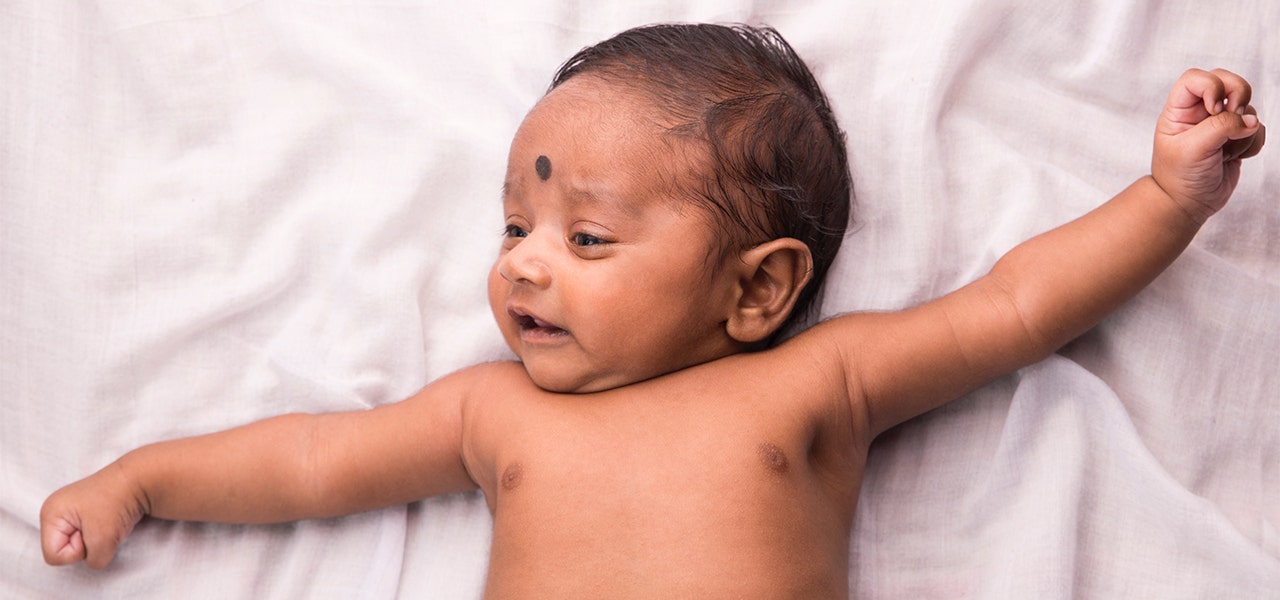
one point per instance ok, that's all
(739, 535)
(700, 563)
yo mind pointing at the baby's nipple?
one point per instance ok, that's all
(512, 475)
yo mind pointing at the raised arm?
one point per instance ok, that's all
(1052, 288)
(280, 469)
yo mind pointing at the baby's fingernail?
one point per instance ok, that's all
(1218, 106)
(1250, 120)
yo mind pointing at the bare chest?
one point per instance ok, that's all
(680, 495)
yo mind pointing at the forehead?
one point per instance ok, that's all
(594, 99)
(589, 134)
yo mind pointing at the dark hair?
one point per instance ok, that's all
(778, 164)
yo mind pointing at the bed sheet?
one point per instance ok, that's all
(213, 211)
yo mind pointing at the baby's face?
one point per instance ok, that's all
(605, 276)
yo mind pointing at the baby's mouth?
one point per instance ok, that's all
(531, 325)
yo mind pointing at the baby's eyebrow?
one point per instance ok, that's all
(576, 196)
(510, 187)
(579, 197)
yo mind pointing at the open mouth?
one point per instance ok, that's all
(533, 327)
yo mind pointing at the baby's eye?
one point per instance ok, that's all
(514, 231)
(586, 239)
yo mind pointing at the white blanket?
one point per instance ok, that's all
(213, 211)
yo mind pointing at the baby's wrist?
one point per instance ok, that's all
(1196, 212)
(126, 478)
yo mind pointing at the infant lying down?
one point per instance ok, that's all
(671, 205)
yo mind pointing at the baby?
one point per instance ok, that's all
(672, 204)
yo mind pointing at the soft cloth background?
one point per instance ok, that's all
(215, 211)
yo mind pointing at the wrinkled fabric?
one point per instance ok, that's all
(214, 211)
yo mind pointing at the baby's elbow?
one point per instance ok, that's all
(1028, 338)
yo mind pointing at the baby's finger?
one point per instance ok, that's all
(1196, 88)
(1214, 135)
(1257, 140)
(1248, 146)
(61, 543)
(1237, 89)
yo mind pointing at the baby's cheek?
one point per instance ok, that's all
(498, 290)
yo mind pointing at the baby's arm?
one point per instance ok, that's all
(280, 469)
(1056, 286)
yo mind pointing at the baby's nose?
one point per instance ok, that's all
(525, 263)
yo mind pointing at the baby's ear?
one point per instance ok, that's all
(771, 277)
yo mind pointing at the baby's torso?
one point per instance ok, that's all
(705, 483)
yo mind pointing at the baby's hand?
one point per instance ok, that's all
(88, 519)
(1206, 128)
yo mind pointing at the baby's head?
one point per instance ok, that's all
(768, 157)
(677, 196)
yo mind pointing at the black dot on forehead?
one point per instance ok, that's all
(543, 167)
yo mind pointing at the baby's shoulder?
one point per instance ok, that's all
(491, 379)
(808, 364)
(501, 369)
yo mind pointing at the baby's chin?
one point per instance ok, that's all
(571, 381)
(562, 379)
(583, 383)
